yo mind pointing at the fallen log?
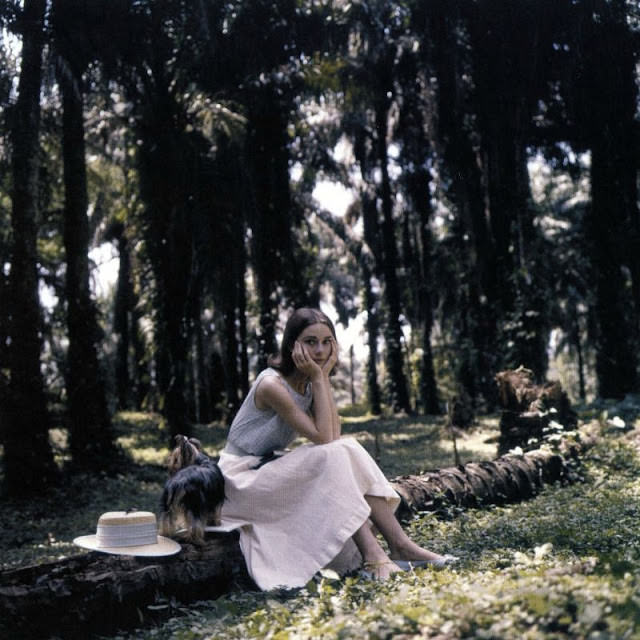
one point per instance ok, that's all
(510, 478)
(101, 593)
(96, 593)
(507, 479)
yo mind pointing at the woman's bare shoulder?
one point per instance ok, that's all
(271, 389)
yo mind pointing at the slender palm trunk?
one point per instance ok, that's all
(28, 459)
(396, 378)
(89, 420)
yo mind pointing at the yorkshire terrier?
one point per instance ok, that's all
(193, 494)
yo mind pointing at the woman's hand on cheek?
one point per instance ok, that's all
(328, 366)
(304, 363)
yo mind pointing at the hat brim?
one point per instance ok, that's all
(164, 547)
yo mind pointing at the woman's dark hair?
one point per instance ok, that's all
(298, 321)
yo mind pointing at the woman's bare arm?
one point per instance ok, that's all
(326, 369)
(324, 425)
(272, 393)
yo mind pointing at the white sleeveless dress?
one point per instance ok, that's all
(297, 513)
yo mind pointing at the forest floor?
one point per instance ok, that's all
(565, 564)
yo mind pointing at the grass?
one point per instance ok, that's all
(410, 445)
(563, 565)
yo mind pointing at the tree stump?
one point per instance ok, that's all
(529, 409)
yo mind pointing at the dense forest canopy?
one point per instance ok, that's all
(488, 149)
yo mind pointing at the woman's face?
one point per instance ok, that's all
(317, 340)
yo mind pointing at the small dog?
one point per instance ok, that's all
(193, 494)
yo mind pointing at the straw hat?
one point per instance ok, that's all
(130, 533)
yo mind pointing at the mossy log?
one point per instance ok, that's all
(510, 478)
(98, 593)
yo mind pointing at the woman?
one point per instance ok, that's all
(300, 510)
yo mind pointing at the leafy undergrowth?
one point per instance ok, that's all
(563, 565)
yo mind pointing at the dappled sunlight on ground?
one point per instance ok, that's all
(143, 436)
(213, 437)
(412, 445)
(144, 455)
(400, 445)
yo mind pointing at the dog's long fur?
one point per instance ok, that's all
(193, 494)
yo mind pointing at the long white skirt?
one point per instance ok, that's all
(296, 514)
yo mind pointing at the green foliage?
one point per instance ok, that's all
(561, 566)
(564, 565)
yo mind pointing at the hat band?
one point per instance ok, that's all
(127, 535)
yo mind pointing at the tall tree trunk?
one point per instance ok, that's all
(123, 322)
(172, 326)
(4, 347)
(142, 386)
(267, 344)
(270, 222)
(508, 83)
(428, 385)
(91, 440)
(371, 299)
(28, 460)
(613, 216)
(169, 169)
(396, 378)
(230, 292)
(230, 353)
(482, 307)
(131, 374)
(171, 265)
(173, 348)
(242, 328)
(511, 220)
(577, 342)
(418, 265)
(5, 317)
(461, 165)
(614, 74)
(417, 240)
(616, 359)
(373, 331)
(200, 396)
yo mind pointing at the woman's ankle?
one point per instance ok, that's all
(375, 558)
